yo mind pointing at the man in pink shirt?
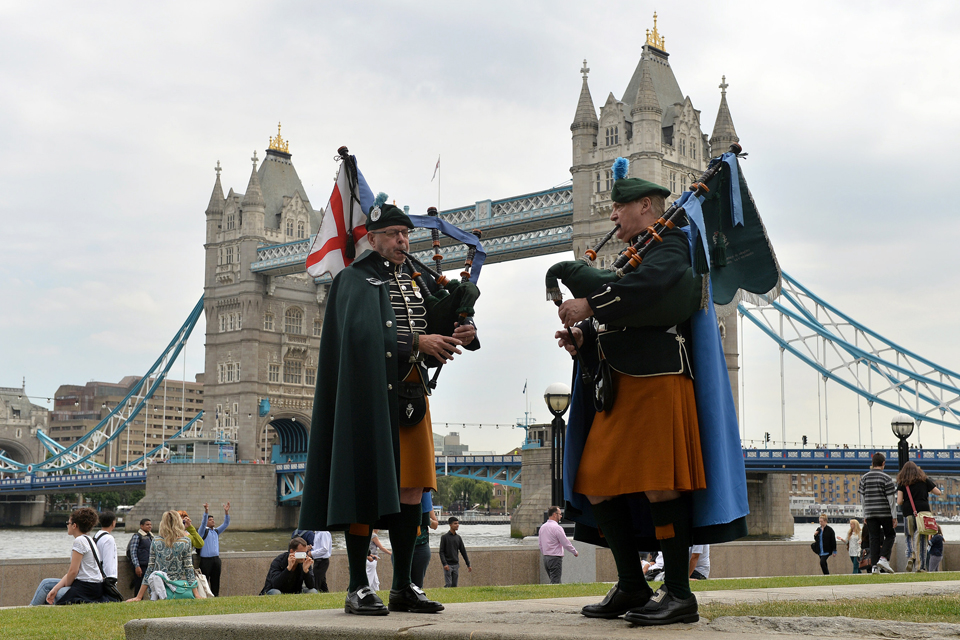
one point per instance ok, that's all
(552, 543)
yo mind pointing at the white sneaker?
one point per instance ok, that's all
(884, 566)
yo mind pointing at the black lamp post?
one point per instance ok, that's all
(902, 426)
(557, 397)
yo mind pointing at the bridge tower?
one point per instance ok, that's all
(19, 421)
(263, 331)
(657, 128)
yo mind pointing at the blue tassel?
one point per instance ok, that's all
(381, 198)
(620, 167)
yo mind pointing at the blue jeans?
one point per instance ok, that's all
(40, 597)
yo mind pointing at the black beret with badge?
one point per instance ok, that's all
(383, 215)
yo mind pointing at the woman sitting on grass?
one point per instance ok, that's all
(83, 581)
(169, 560)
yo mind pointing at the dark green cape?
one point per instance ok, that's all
(353, 460)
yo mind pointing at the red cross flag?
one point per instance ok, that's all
(342, 227)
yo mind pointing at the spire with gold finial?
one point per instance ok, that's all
(654, 39)
(278, 143)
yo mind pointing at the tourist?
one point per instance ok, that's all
(169, 572)
(853, 544)
(913, 495)
(321, 552)
(936, 550)
(451, 548)
(553, 540)
(195, 540)
(373, 557)
(210, 563)
(138, 552)
(421, 550)
(824, 543)
(107, 551)
(291, 572)
(83, 581)
(699, 562)
(877, 495)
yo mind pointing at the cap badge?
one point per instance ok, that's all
(375, 214)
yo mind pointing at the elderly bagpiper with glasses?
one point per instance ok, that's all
(371, 442)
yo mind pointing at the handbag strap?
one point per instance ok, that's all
(910, 495)
(96, 556)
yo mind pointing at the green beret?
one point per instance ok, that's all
(387, 215)
(630, 189)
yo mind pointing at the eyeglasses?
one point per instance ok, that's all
(393, 233)
(69, 523)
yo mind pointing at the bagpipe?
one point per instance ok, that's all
(582, 278)
(449, 302)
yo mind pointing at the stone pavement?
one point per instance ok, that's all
(559, 617)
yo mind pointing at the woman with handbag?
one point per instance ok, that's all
(170, 572)
(83, 581)
(914, 486)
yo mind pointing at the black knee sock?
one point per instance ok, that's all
(672, 520)
(357, 549)
(403, 537)
(613, 518)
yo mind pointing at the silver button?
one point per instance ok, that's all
(406, 299)
(389, 387)
(389, 323)
(403, 287)
(386, 264)
(389, 355)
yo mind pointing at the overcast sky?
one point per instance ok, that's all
(113, 116)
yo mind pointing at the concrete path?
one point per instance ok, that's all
(560, 618)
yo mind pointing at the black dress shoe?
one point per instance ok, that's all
(617, 602)
(663, 608)
(412, 598)
(365, 602)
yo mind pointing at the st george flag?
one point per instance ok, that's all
(328, 251)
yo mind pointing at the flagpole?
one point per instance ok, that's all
(438, 183)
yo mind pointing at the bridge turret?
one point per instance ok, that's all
(214, 210)
(647, 113)
(585, 128)
(724, 134)
(253, 207)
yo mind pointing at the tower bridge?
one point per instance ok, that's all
(264, 316)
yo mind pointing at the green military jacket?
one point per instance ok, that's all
(641, 321)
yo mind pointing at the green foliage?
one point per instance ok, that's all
(466, 492)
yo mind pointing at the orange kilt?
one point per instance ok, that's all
(648, 441)
(417, 463)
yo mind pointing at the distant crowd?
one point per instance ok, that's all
(177, 560)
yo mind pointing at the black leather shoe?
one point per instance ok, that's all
(663, 608)
(412, 598)
(616, 603)
(365, 602)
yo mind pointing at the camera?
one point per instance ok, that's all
(300, 555)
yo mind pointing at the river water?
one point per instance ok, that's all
(35, 542)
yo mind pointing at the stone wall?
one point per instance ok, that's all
(244, 573)
(769, 499)
(534, 491)
(251, 490)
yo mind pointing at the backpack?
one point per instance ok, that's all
(303, 533)
(136, 537)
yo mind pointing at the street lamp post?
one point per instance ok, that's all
(902, 426)
(557, 397)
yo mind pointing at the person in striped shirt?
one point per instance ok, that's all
(878, 496)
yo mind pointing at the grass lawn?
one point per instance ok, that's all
(105, 621)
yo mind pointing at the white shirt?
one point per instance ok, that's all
(107, 548)
(89, 570)
(322, 545)
(703, 561)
